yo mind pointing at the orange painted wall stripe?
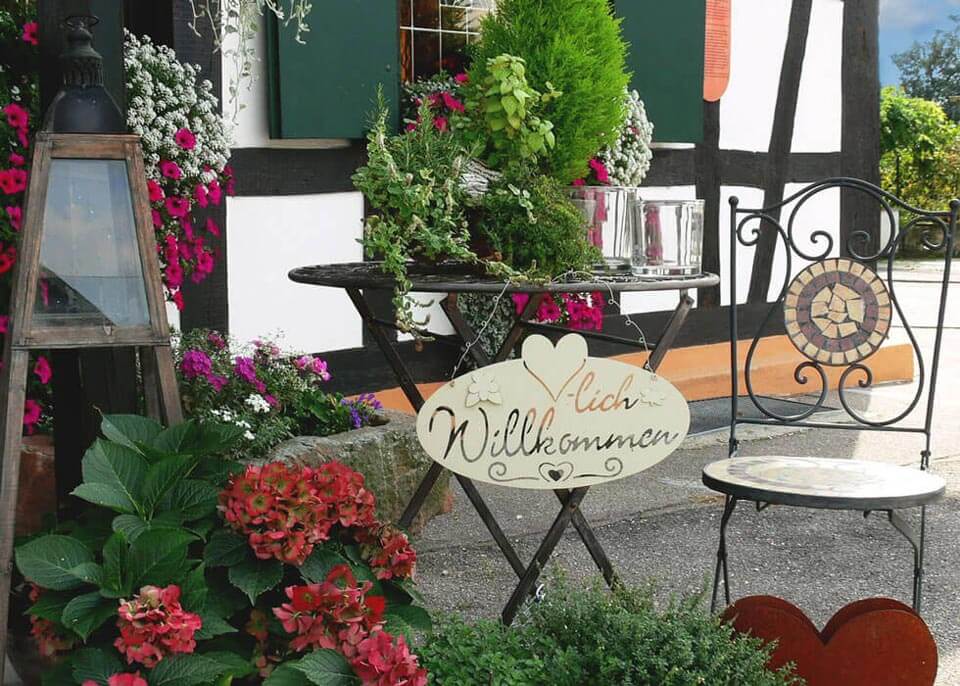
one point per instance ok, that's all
(703, 371)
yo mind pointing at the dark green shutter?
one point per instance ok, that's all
(666, 57)
(327, 86)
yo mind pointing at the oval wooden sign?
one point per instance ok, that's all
(555, 418)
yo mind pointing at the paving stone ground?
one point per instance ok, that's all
(662, 524)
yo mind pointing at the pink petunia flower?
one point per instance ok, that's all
(177, 298)
(4, 323)
(200, 195)
(43, 370)
(214, 192)
(15, 214)
(600, 169)
(462, 78)
(17, 117)
(452, 102)
(177, 207)
(185, 139)
(154, 190)
(30, 33)
(441, 123)
(170, 170)
(212, 227)
(157, 218)
(31, 415)
(17, 160)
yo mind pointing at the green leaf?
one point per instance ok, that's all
(193, 590)
(213, 626)
(47, 561)
(104, 495)
(162, 476)
(234, 665)
(185, 670)
(116, 466)
(316, 567)
(193, 499)
(61, 674)
(129, 429)
(90, 572)
(95, 665)
(407, 619)
(156, 557)
(326, 668)
(86, 613)
(225, 549)
(132, 526)
(215, 438)
(114, 562)
(286, 675)
(50, 605)
(174, 439)
(253, 577)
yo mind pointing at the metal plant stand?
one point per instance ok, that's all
(355, 278)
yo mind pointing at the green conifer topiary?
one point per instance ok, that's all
(576, 47)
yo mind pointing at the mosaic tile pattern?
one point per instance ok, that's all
(837, 312)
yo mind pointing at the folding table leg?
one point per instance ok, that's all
(669, 335)
(550, 541)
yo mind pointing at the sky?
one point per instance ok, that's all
(904, 21)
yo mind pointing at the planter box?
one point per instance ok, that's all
(390, 458)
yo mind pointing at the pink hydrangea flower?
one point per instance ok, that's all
(171, 170)
(154, 624)
(185, 139)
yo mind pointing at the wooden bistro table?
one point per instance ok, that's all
(452, 280)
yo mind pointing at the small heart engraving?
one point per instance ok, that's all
(556, 472)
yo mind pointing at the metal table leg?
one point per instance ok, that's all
(412, 393)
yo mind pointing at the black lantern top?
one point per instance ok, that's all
(83, 105)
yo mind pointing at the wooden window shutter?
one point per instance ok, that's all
(326, 87)
(666, 58)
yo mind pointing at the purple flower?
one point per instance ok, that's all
(246, 369)
(313, 365)
(195, 364)
(216, 340)
(217, 381)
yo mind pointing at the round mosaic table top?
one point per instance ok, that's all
(821, 482)
(837, 312)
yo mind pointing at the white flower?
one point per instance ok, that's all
(628, 160)
(258, 403)
(249, 435)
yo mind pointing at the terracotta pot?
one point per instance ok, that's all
(37, 496)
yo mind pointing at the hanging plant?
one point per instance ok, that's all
(234, 24)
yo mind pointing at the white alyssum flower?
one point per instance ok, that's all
(628, 160)
(258, 403)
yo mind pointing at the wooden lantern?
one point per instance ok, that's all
(87, 277)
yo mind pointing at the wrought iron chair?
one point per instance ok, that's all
(837, 312)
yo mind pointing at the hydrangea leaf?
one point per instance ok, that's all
(163, 476)
(129, 430)
(120, 470)
(253, 577)
(326, 668)
(47, 561)
(316, 567)
(158, 556)
(95, 665)
(225, 549)
(86, 613)
(185, 670)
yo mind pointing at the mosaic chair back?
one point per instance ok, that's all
(838, 303)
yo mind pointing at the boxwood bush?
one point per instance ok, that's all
(580, 636)
(575, 48)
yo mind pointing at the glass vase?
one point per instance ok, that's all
(609, 213)
(668, 237)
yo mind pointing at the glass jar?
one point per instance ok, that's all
(668, 237)
(609, 212)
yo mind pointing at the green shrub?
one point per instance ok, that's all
(575, 48)
(530, 221)
(577, 636)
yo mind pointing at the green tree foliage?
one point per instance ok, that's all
(575, 48)
(920, 149)
(931, 70)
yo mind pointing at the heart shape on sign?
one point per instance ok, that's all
(556, 472)
(554, 366)
(872, 642)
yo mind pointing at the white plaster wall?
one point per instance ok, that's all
(759, 34)
(820, 213)
(269, 236)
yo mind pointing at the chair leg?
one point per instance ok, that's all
(916, 540)
(721, 568)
